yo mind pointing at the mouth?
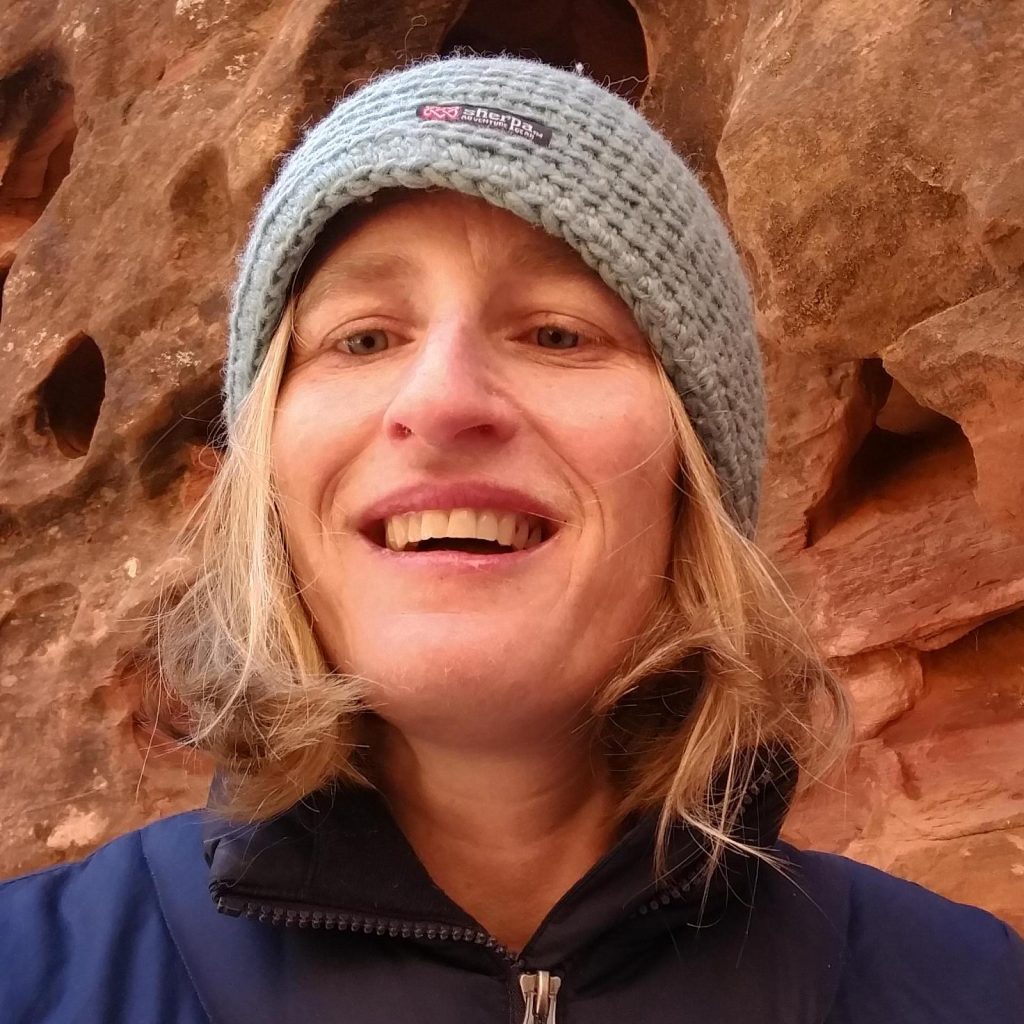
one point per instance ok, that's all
(477, 531)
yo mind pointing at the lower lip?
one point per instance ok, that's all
(456, 561)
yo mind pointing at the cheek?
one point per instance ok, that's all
(294, 454)
(615, 435)
(637, 501)
(314, 438)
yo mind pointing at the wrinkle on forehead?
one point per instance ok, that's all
(486, 235)
(493, 241)
(350, 271)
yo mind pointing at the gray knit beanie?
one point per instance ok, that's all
(567, 155)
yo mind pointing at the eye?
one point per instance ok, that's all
(553, 336)
(365, 343)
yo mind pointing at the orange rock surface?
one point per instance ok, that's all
(870, 161)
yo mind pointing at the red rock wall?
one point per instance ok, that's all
(870, 159)
(873, 159)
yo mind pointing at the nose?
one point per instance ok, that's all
(447, 393)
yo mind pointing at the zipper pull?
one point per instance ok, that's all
(540, 990)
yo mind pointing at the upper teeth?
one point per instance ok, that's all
(510, 529)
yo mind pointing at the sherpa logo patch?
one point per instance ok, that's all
(489, 117)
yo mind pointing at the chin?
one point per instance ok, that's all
(455, 645)
(461, 666)
(467, 687)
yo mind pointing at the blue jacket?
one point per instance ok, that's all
(325, 914)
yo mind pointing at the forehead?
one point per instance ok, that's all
(370, 240)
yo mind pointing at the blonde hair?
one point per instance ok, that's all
(722, 670)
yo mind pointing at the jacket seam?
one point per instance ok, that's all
(1011, 938)
(835, 998)
(169, 930)
(843, 954)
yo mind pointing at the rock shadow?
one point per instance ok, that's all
(71, 396)
(605, 36)
(193, 422)
(903, 443)
(38, 130)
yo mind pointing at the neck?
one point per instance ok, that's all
(504, 834)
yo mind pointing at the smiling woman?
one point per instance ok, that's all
(479, 395)
(496, 682)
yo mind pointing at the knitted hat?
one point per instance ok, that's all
(567, 155)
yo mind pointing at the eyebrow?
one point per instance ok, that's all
(538, 255)
(366, 269)
(535, 255)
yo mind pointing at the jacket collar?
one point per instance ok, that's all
(338, 860)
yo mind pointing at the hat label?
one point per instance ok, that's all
(489, 117)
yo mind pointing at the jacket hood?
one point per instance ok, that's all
(339, 860)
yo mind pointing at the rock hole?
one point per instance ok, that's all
(605, 36)
(200, 201)
(189, 437)
(905, 448)
(37, 118)
(71, 396)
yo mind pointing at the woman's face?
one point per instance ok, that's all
(464, 378)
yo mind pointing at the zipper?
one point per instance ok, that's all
(675, 892)
(540, 991)
(539, 988)
(295, 917)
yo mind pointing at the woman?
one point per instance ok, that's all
(506, 710)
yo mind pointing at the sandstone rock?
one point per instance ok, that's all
(884, 684)
(912, 560)
(903, 414)
(34, 156)
(872, 161)
(938, 794)
(820, 412)
(77, 829)
(835, 813)
(968, 364)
